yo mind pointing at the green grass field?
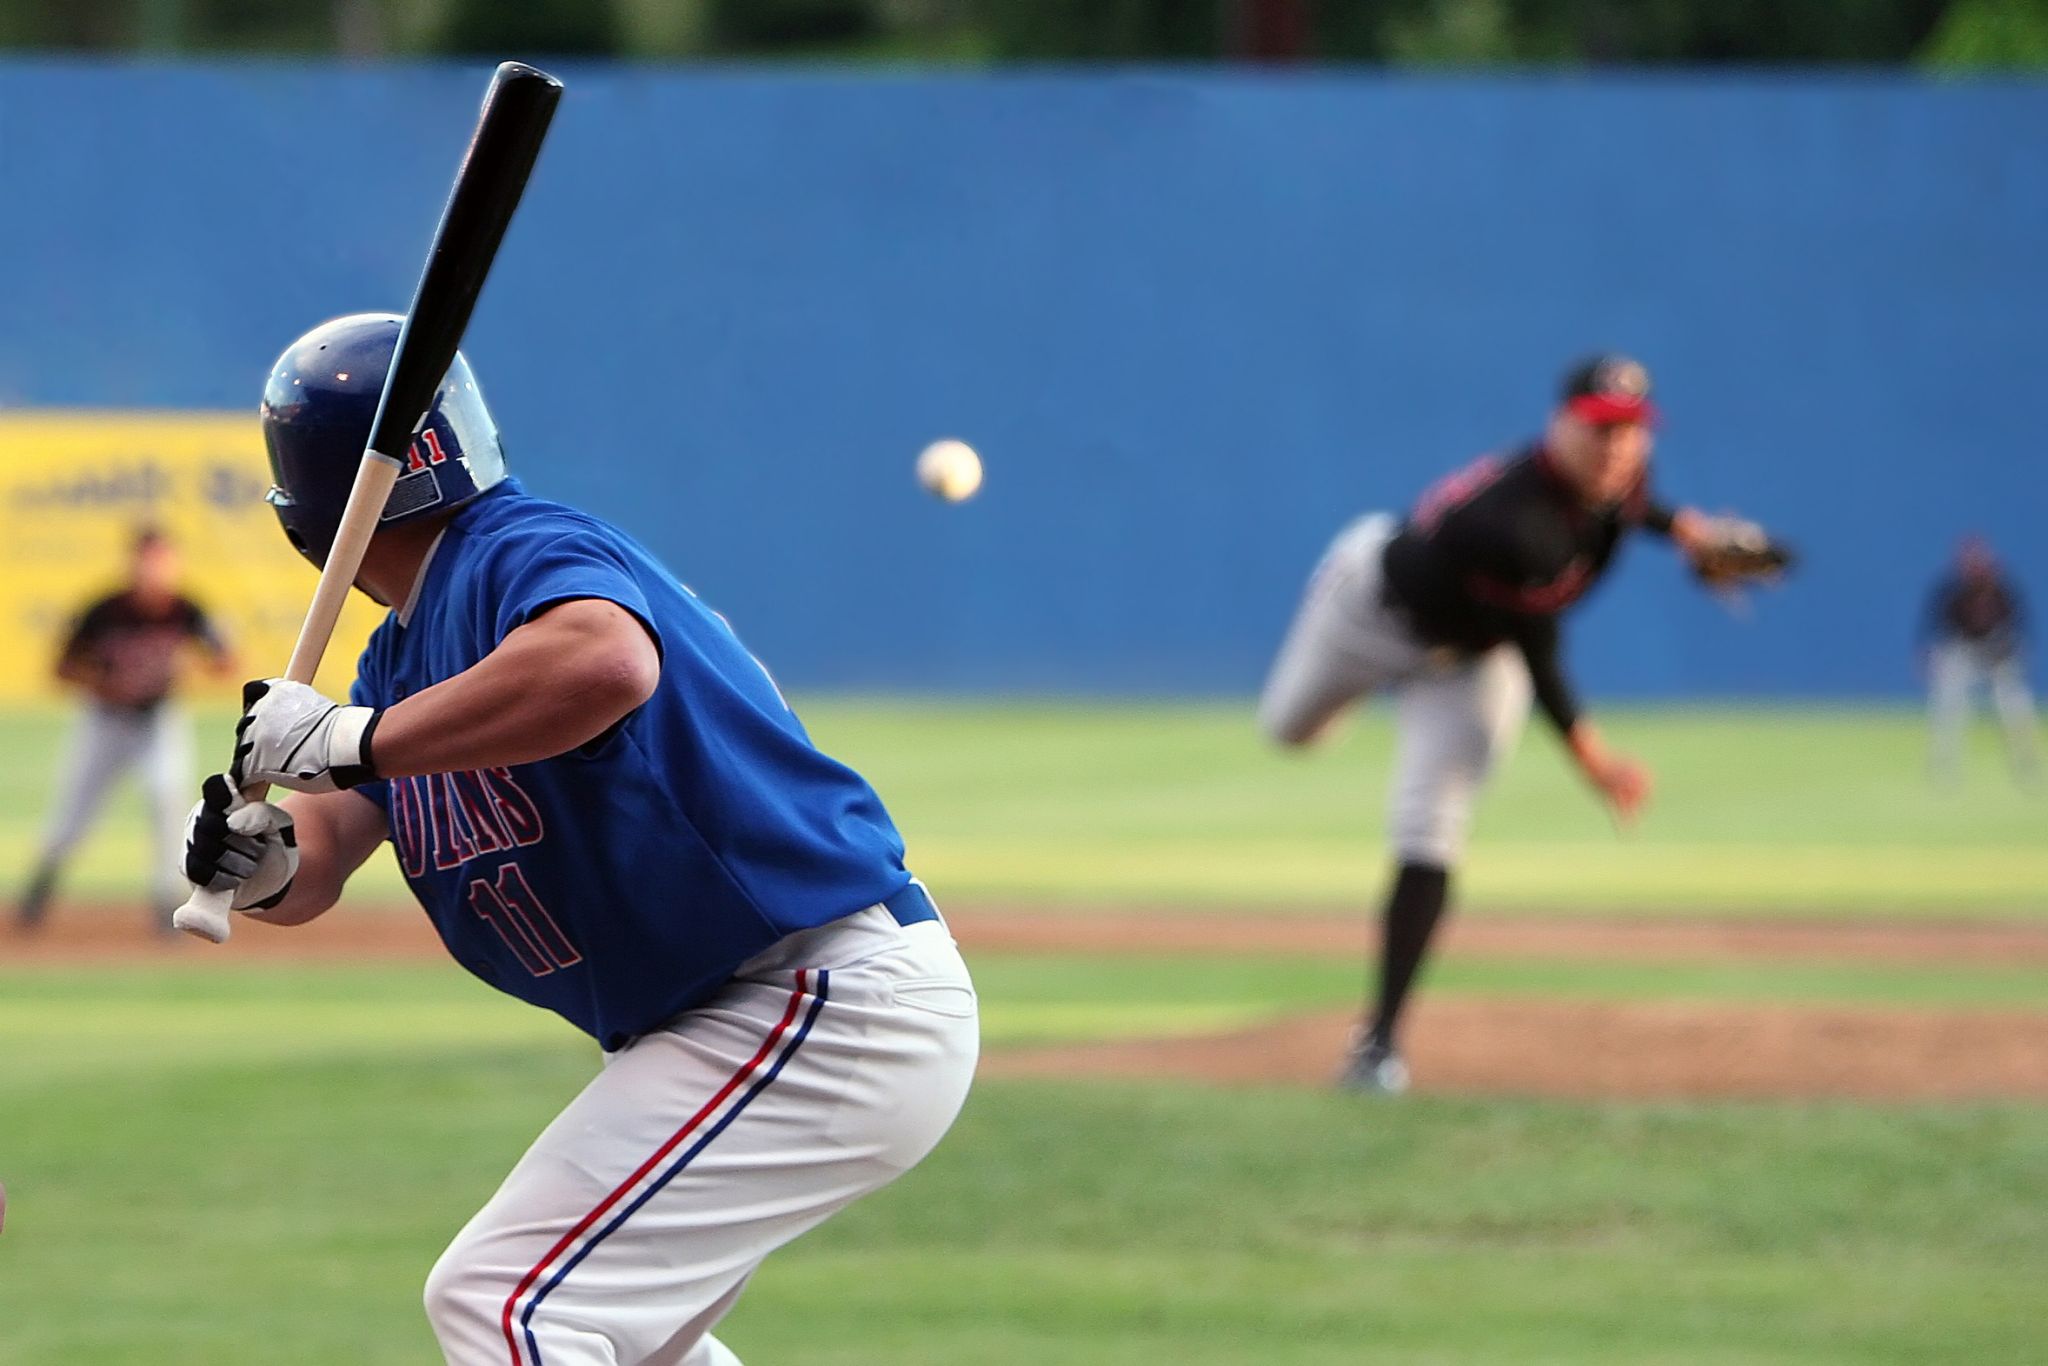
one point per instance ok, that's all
(217, 1166)
(1758, 811)
(217, 1161)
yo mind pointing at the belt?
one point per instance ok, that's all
(1397, 607)
(911, 906)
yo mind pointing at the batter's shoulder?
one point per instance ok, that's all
(373, 665)
(507, 520)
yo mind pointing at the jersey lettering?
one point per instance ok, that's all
(477, 814)
(1536, 599)
(515, 811)
(454, 845)
(444, 820)
(409, 827)
(510, 907)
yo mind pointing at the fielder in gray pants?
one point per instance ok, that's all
(1974, 637)
(1454, 614)
(122, 653)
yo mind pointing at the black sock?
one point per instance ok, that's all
(36, 900)
(1413, 907)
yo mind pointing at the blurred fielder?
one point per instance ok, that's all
(1973, 635)
(608, 811)
(1454, 614)
(123, 655)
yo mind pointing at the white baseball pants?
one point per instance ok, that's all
(1956, 669)
(103, 745)
(1456, 717)
(829, 1066)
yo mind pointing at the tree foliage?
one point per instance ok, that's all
(530, 28)
(1947, 34)
(1994, 34)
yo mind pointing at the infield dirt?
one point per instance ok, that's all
(1459, 1044)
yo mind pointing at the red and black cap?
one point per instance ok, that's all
(1609, 388)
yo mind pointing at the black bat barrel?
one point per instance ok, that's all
(517, 109)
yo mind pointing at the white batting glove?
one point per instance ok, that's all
(249, 848)
(291, 736)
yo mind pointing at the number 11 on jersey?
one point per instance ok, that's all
(522, 922)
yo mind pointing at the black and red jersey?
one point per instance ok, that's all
(129, 647)
(1981, 609)
(1497, 551)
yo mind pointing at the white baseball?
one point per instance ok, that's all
(949, 469)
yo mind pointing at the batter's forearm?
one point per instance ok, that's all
(299, 905)
(556, 683)
(336, 832)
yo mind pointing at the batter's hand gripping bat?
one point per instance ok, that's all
(517, 109)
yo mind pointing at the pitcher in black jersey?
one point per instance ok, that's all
(1454, 612)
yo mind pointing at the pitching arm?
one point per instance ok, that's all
(1622, 782)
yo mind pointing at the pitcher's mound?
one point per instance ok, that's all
(1635, 1051)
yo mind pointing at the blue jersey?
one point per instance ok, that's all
(620, 883)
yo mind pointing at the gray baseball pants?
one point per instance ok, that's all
(1456, 717)
(1956, 670)
(106, 743)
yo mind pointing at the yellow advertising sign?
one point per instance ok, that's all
(74, 486)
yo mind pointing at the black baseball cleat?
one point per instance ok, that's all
(1374, 1069)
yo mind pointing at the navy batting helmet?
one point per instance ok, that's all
(318, 406)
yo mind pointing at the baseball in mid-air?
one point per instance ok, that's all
(949, 469)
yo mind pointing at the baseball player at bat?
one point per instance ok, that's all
(123, 655)
(1454, 613)
(607, 810)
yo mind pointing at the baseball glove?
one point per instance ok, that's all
(1734, 552)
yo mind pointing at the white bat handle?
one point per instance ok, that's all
(205, 915)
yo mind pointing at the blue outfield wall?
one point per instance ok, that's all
(1193, 321)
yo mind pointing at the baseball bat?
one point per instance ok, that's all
(517, 109)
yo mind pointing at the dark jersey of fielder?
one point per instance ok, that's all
(623, 882)
(1498, 551)
(1977, 609)
(129, 648)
